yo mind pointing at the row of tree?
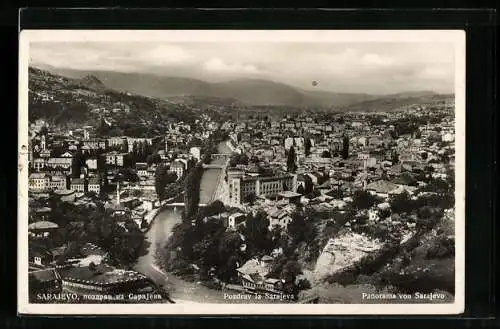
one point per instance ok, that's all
(163, 178)
(81, 224)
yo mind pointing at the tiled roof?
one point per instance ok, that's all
(38, 175)
(46, 275)
(77, 181)
(381, 186)
(103, 275)
(42, 225)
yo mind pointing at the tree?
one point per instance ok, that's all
(345, 147)
(44, 131)
(92, 267)
(290, 162)
(214, 208)
(307, 146)
(401, 203)
(308, 184)
(124, 146)
(161, 181)
(128, 174)
(103, 128)
(428, 217)
(363, 200)
(238, 159)
(76, 164)
(303, 284)
(101, 163)
(384, 213)
(192, 191)
(290, 271)
(153, 158)
(256, 232)
(395, 157)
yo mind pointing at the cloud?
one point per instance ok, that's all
(165, 55)
(342, 67)
(374, 59)
(218, 65)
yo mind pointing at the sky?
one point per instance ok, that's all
(363, 67)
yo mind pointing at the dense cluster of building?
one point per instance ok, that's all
(333, 157)
(76, 166)
(383, 159)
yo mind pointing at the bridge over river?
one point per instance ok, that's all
(161, 229)
(212, 179)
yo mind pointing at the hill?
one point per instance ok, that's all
(397, 102)
(236, 95)
(74, 102)
(246, 91)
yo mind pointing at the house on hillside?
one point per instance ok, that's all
(381, 188)
(235, 220)
(253, 276)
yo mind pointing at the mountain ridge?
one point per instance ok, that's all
(250, 92)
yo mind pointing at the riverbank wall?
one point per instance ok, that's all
(229, 144)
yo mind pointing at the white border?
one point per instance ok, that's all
(457, 37)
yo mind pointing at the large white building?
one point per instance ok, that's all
(131, 141)
(39, 182)
(195, 153)
(94, 185)
(115, 158)
(63, 162)
(57, 182)
(241, 187)
(178, 166)
(447, 137)
(117, 141)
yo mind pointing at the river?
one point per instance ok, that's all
(161, 229)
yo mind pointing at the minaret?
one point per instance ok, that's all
(44, 145)
(118, 192)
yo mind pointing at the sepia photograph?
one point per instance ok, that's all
(295, 172)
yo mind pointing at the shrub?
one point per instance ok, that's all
(441, 248)
(303, 284)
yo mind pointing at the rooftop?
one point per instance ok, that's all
(253, 266)
(42, 225)
(102, 275)
(45, 275)
(381, 186)
(38, 175)
(289, 194)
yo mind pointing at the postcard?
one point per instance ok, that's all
(190, 172)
